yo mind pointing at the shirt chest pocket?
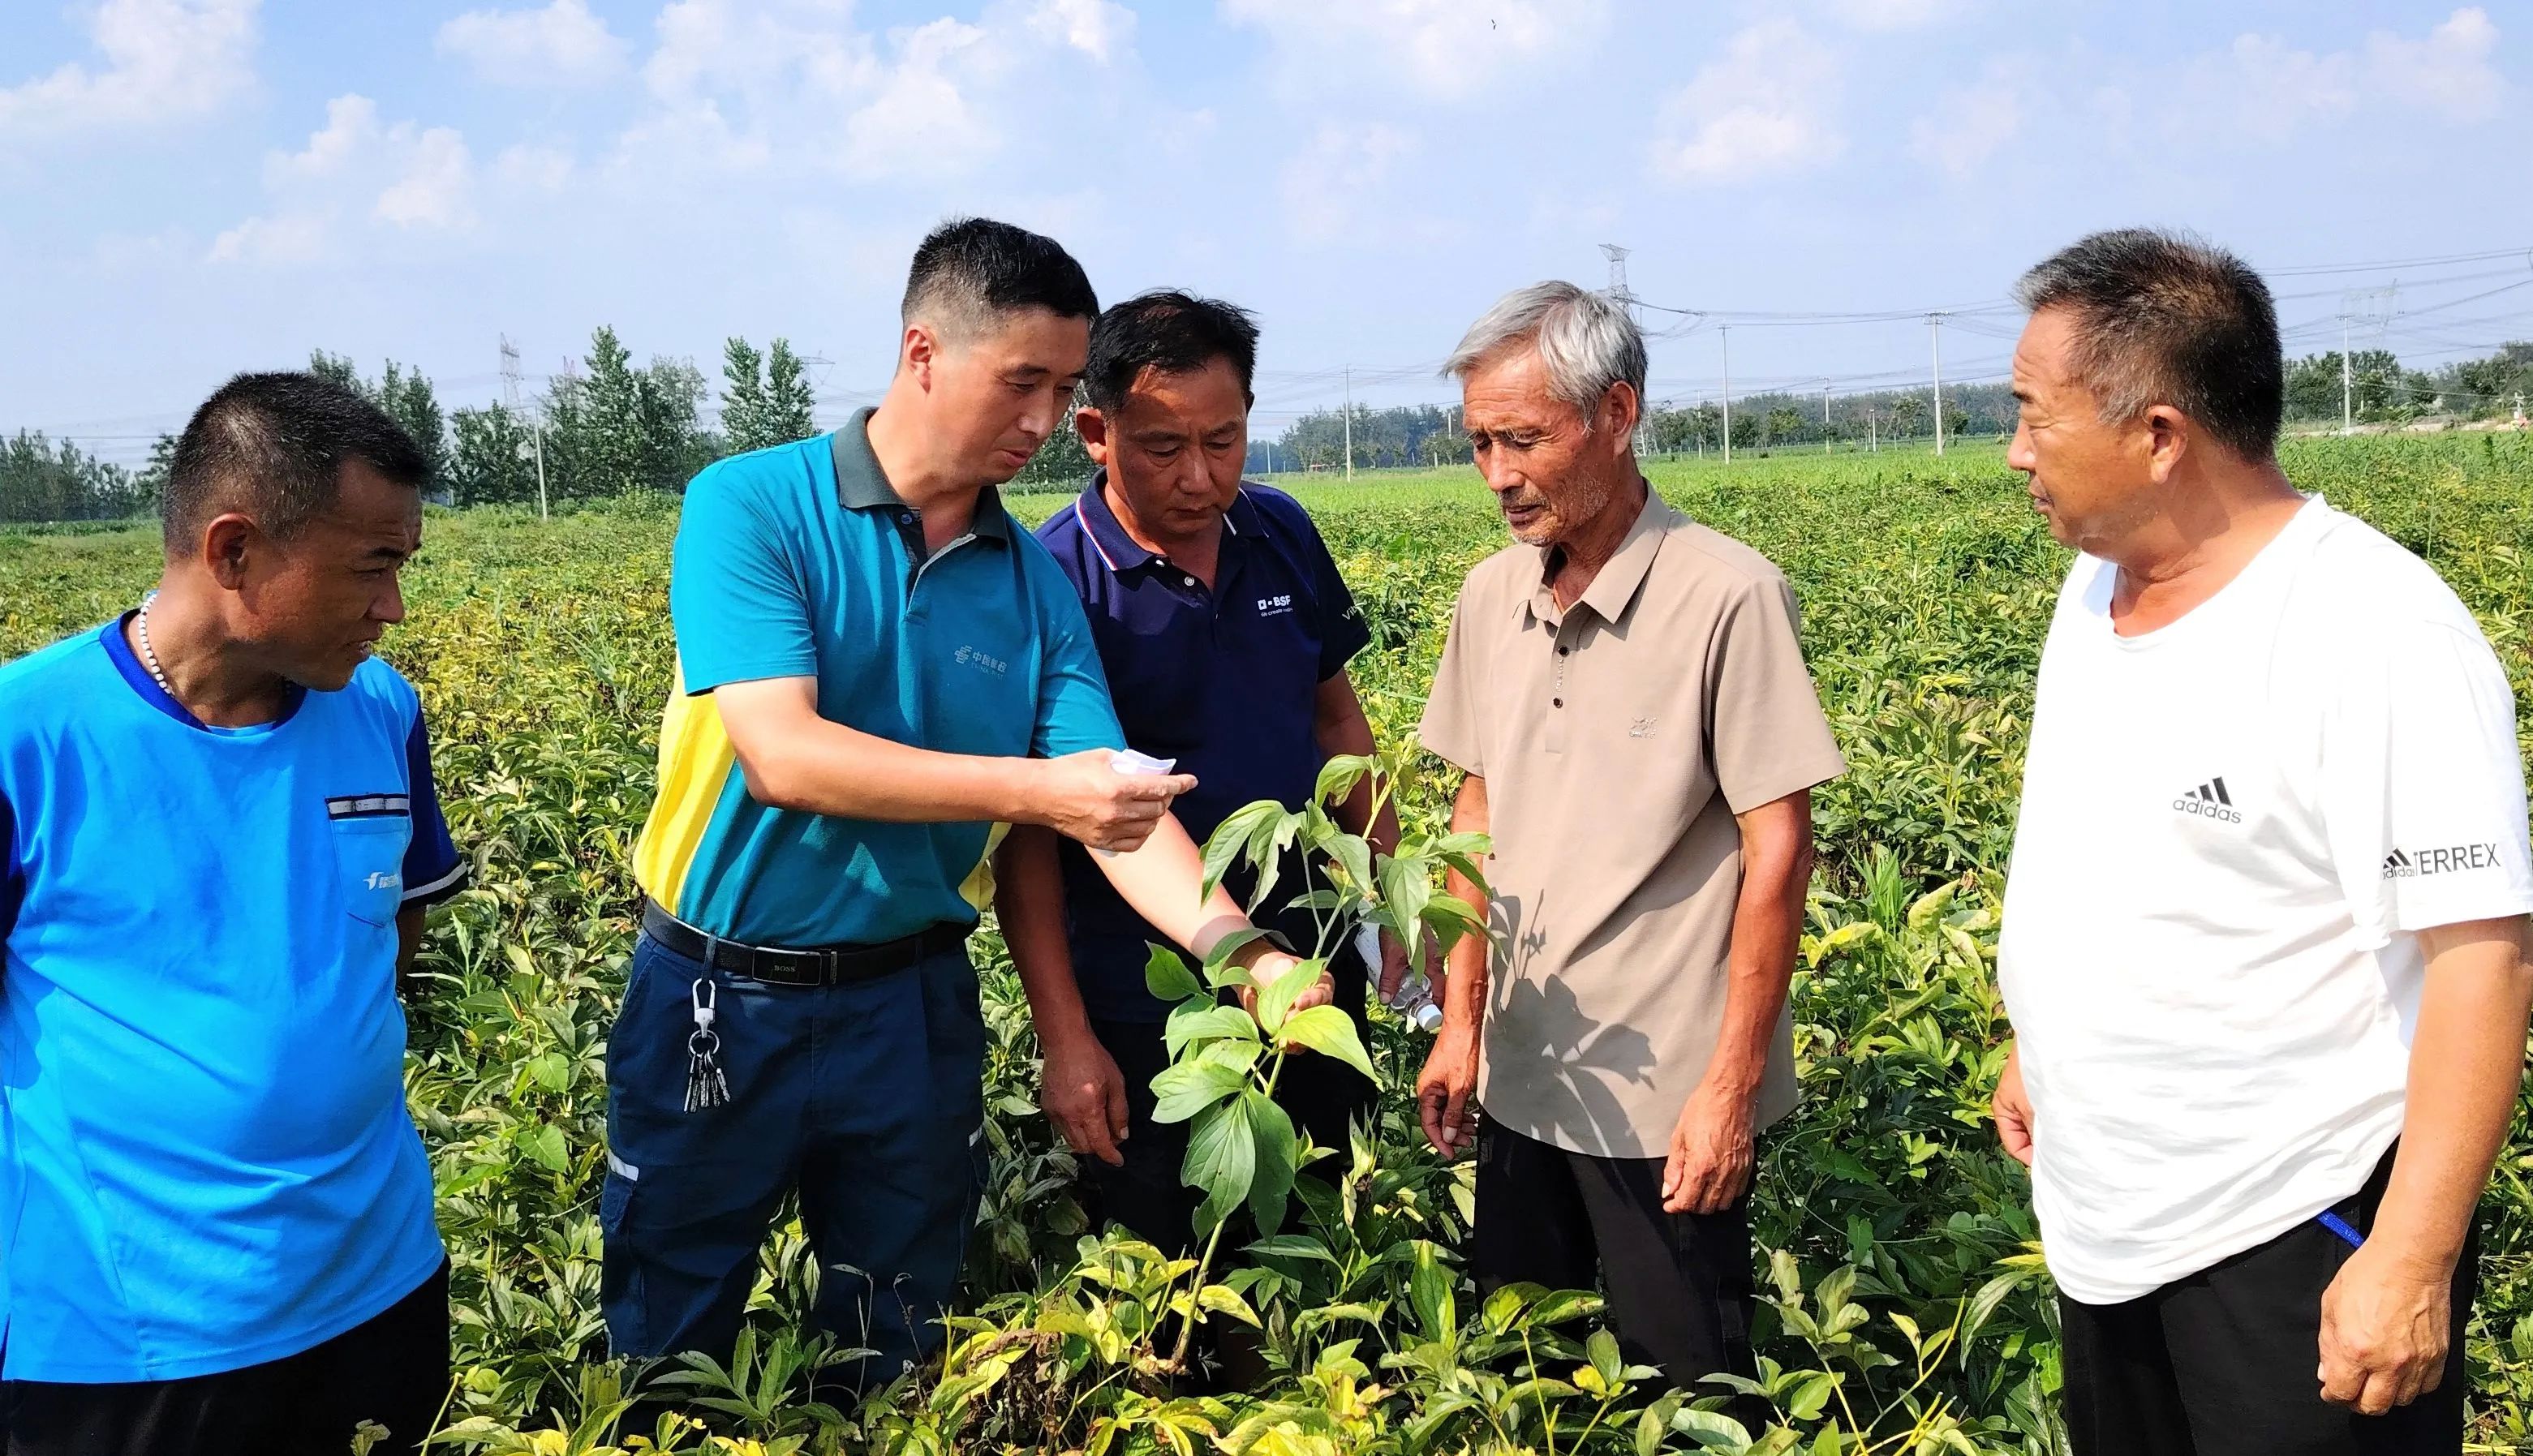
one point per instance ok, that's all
(371, 834)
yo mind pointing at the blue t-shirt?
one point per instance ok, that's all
(205, 1161)
(1224, 681)
(801, 561)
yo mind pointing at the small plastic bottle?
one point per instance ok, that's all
(1414, 998)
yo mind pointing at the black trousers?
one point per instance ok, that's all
(391, 1371)
(2224, 1361)
(1320, 1094)
(1679, 1286)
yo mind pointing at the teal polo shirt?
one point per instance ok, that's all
(801, 561)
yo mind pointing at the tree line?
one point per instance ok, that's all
(606, 426)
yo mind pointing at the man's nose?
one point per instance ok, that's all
(389, 605)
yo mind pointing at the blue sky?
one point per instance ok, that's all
(196, 186)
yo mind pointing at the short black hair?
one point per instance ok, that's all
(273, 446)
(2163, 317)
(1169, 331)
(971, 271)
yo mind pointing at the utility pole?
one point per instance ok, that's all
(1724, 332)
(1349, 422)
(1935, 323)
(1825, 436)
(2346, 425)
(1872, 438)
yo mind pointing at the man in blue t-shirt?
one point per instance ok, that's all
(1225, 631)
(217, 837)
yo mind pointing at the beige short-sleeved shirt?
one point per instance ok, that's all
(1617, 740)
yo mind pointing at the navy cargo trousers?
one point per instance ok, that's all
(865, 1097)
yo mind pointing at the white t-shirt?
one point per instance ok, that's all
(2232, 830)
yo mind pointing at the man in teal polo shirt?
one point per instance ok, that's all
(876, 668)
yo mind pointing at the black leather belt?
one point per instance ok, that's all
(821, 966)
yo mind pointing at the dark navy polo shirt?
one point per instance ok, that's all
(1225, 682)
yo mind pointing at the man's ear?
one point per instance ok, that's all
(2167, 440)
(1618, 411)
(1092, 427)
(228, 541)
(917, 352)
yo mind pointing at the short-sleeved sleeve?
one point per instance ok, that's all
(1765, 733)
(2423, 783)
(434, 871)
(1074, 713)
(1343, 629)
(736, 595)
(1450, 727)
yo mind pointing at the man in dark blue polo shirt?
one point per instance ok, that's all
(1224, 631)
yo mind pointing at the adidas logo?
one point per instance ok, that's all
(2404, 864)
(2209, 800)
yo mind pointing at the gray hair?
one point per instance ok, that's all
(1586, 339)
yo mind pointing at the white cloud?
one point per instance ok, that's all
(526, 167)
(1894, 15)
(1970, 123)
(1445, 48)
(562, 43)
(2260, 88)
(741, 85)
(2448, 72)
(355, 171)
(1324, 184)
(164, 61)
(1761, 108)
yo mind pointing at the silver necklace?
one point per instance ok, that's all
(149, 655)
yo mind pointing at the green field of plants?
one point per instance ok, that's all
(1906, 1308)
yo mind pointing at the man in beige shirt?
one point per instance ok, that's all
(1627, 693)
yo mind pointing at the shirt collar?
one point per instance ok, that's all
(1120, 552)
(860, 483)
(1614, 586)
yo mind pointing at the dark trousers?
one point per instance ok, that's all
(865, 1098)
(1679, 1286)
(2224, 1361)
(391, 1371)
(1320, 1093)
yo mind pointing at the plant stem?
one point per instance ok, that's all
(1196, 1287)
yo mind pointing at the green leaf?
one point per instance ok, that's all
(1339, 775)
(1354, 857)
(1602, 1349)
(1276, 1001)
(1222, 1158)
(1292, 1245)
(1219, 973)
(1186, 1088)
(1429, 1291)
(544, 1142)
(1325, 1029)
(1406, 888)
(1267, 845)
(552, 1071)
(1232, 836)
(1710, 1428)
(1167, 976)
(1206, 1020)
(1272, 1180)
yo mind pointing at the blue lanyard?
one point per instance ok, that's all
(2342, 1227)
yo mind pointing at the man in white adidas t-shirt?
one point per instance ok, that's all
(2264, 942)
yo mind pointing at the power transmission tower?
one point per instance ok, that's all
(1724, 333)
(1935, 323)
(509, 375)
(2370, 306)
(1626, 299)
(1349, 420)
